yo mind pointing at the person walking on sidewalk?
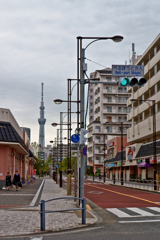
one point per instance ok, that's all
(16, 180)
(8, 181)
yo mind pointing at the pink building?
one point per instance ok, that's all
(13, 150)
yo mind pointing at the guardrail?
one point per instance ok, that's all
(135, 183)
(43, 212)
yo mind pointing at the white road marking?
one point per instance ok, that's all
(36, 238)
(95, 192)
(141, 212)
(157, 209)
(16, 194)
(118, 212)
(154, 220)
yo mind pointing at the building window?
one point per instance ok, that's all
(98, 128)
(109, 109)
(156, 108)
(143, 116)
(155, 88)
(109, 99)
(109, 129)
(111, 153)
(109, 89)
(155, 69)
(91, 104)
(108, 79)
(155, 50)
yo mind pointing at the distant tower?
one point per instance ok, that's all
(42, 122)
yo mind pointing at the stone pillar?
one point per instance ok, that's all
(139, 173)
(14, 157)
(21, 166)
(131, 172)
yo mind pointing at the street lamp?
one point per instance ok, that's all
(154, 134)
(81, 69)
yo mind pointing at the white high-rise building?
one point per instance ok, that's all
(107, 107)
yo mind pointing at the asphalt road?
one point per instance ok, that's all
(108, 196)
(142, 231)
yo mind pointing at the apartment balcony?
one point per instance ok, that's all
(114, 101)
(114, 91)
(98, 162)
(99, 141)
(114, 131)
(115, 112)
(99, 152)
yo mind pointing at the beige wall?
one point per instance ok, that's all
(7, 116)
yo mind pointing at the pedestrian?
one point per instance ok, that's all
(8, 181)
(16, 180)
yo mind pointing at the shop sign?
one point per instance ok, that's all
(153, 160)
(130, 153)
(110, 164)
(111, 144)
(118, 164)
(139, 161)
(158, 159)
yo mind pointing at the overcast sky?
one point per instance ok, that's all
(38, 44)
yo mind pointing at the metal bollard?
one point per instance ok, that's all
(84, 210)
(42, 215)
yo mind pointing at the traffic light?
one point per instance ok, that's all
(131, 81)
(83, 132)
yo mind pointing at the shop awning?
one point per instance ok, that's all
(144, 164)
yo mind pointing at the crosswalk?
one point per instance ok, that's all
(135, 212)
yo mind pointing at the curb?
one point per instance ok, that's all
(34, 200)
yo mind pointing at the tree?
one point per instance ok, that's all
(38, 165)
(36, 148)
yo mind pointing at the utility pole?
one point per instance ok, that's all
(82, 64)
(121, 153)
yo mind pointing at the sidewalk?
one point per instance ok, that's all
(26, 220)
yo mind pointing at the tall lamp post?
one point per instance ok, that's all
(81, 69)
(154, 135)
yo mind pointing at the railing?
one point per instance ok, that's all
(42, 212)
(134, 183)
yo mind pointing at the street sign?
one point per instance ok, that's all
(75, 138)
(127, 70)
(84, 151)
(57, 166)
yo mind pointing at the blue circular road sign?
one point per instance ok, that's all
(75, 138)
(84, 151)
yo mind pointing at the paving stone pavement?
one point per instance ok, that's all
(26, 220)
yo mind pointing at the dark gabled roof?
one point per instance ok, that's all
(117, 157)
(9, 134)
(147, 149)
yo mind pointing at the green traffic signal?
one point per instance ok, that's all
(124, 81)
(131, 81)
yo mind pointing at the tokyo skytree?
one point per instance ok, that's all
(42, 122)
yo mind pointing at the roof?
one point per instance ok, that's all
(9, 134)
(147, 149)
(117, 157)
(106, 71)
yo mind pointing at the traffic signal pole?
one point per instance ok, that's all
(82, 61)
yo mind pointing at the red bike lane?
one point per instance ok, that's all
(108, 196)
